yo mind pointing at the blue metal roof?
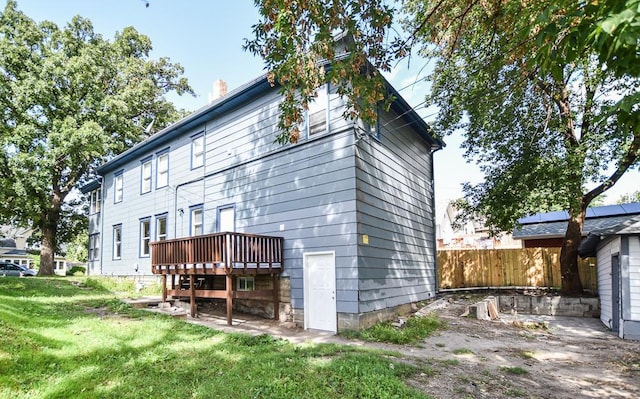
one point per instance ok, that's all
(238, 97)
(592, 212)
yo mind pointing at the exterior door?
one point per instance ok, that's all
(320, 291)
(615, 293)
(227, 219)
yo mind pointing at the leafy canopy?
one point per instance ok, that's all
(69, 100)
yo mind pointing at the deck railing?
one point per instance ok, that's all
(227, 250)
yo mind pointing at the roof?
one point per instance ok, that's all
(554, 224)
(589, 245)
(92, 185)
(234, 99)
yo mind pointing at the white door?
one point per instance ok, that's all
(320, 291)
(227, 219)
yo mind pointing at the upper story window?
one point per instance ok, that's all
(197, 221)
(145, 236)
(117, 242)
(161, 227)
(373, 129)
(162, 168)
(117, 187)
(317, 114)
(95, 201)
(197, 151)
(145, 176)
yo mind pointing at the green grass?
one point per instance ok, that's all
(73, 338)
(462, 351)
(513, 370)
(414, 330)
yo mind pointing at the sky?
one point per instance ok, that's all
(206, 38)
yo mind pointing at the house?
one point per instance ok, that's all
(15, 251)
(548, 229)
(472, 235)
(335, 232)
(617, 249)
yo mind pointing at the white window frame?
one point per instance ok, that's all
(245, 283)
(118, 185)
(196, 212)
(94, 247)
(117, 242)
(145, 239)
(95, 201)
(159, 235)
(162, 169)
(145, 176)
(197, 151)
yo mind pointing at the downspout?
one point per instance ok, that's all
(434, 149)
(102, 204)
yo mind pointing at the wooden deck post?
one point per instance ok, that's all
(164, 288)
(276, 299)
(229, 298)
(192, 295)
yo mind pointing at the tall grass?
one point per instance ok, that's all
(66, 339)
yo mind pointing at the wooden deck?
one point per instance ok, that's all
(198, 262)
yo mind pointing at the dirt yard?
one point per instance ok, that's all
(524, 357)
(514, 357)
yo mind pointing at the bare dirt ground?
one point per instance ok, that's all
(526, 357)
(570, 358)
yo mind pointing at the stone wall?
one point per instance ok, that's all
(550, 305)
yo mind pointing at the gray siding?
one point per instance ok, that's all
(395, 194)
(610, 247)
(634, 279)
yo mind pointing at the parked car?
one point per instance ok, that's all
(11, 269)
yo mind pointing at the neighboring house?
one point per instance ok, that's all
(473, 235)
(353, 203)
(617, 249)
(10, 252)
(548, 229)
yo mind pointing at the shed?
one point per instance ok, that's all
(617, 249)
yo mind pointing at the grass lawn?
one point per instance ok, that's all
(63, 338)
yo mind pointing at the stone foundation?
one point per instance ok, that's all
(550, 305)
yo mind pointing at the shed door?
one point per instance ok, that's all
(615, 293)
(320, 291)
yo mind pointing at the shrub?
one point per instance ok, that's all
(77, 271)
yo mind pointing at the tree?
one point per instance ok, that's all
(629, 197)
(69, 100)
(546, 93)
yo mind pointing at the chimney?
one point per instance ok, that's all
(219, 90)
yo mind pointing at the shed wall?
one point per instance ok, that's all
(605, 251)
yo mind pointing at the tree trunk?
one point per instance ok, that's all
(49, 230)
(47, 250)
(571, 284)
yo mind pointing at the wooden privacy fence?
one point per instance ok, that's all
(526, 267)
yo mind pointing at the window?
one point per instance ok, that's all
(196, 220)
(373, 129)
(94, 200)
(145, 176)
(162, 168)
(197, 151)
(117, 185)
(145, 236)
(94, 247)
(246, 284)
(317, 113)
(161, 227)
(117, 242)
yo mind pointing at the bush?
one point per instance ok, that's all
(77, 271)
